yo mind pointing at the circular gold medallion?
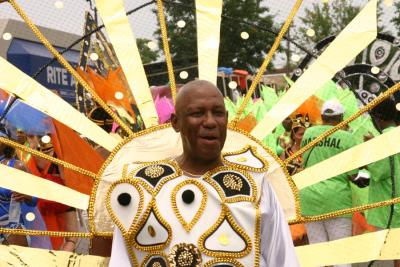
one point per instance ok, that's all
(184, 255)
(154, 171)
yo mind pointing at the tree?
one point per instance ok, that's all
(146, 53)
(326, 19)
(396, 17)
(234, 51)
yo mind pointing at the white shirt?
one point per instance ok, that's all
(276, 241)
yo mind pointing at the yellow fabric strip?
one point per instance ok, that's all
(31, 185)
(25, 256)
(381, 245)
(124, 43)
(208, 18)
(35, 95)
(360, 32)
(373, 150)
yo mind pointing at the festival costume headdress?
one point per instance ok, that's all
(150, 145)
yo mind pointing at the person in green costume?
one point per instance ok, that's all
(332, 194)
(380, 188)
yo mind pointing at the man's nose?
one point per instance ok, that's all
(209, 120)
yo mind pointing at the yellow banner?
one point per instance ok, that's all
(208, 16)
(361, 31)
(381, 245)
(380, 147)
(31, 185)
(35, 95)
(124, 43)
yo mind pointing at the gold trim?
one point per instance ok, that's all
(257, 238)
(223, 260)
(114, 218)
(155, 254)
(152, 207)
(107, 162)
(253, 151)
(267, 60)
(289, 179)
(199, 213)
(45, 233)
(208, 177)
(225, 215)
(68, 67)
(149, 187)
(54, 160)
(164, 37)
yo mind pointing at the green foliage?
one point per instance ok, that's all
(327, 19)
(234, 51)
(146, 53)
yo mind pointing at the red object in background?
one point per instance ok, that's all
(240, 76)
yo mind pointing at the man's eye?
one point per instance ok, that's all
(196, 113)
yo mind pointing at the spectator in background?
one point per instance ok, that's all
(382, 175)
(332, 194)
(99, 116)
(13, 204)
(58, 217)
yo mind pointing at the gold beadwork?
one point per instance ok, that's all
(232, 182)
(164, 37)
(69, 68)
(183, 255)
(156, 264)
(225, 215)
(159, 254)
(154, 171)
(152, 207)
(224, 260)
(267, 60)
(208, 177)
(253, 151)
(37, 153)
(189, 225)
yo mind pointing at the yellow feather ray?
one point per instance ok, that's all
(208, 18)
(380, 245)
(124, 43)
(373, 150)
(360, 32)
(32, 93)
(31, 185)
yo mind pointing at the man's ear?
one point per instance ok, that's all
(174, 122)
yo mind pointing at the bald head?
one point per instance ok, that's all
(201, 119)
(195, 86)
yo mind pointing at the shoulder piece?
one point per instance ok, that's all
(247, 158)
(232, 184)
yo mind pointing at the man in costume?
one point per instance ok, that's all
(332, 194)
(238, 222)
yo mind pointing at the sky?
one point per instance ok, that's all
(70, 17)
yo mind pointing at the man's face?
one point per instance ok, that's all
(201, 118)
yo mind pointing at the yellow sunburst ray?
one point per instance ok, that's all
(37, 96)
(124, 43)
(28, 184)
(380, 245)
(373, 150)
(357, 35)
(208, 19)
(37, 153)
(266, 62)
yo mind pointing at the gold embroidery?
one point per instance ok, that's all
(189, 225)
(208, 177)
(156, 264)
(223, 260)
(152, 207)
(233, 182)
(225, 215)
(253, 151)
(154, 171)
(183, 255)
(151, 231)
(154, 255)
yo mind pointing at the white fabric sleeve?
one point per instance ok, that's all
(276, 241)
(119, 255)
